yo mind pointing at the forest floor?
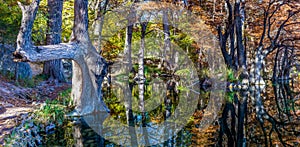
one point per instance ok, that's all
(17, 101)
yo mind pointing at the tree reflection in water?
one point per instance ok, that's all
(270, 117)
(260, 116)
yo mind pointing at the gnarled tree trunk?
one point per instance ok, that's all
(89, 67)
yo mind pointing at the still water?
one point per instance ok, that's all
(260, 116)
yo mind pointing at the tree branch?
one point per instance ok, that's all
(46, 53)
(29, 13)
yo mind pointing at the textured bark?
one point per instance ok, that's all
(255, 71)
(45, 53)
(241, 54)
(99, 22)
(141, 76)
(235, 58)
(54, 68)
(229, 56)
(89, 68)
(127, 49)
(141, 82)
(8, 66)
(167, 39)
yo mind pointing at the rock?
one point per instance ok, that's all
(50, 128)
(2, 109)
(8, 66)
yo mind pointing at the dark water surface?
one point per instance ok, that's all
(260, 116)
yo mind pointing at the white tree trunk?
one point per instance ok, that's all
(89, 68)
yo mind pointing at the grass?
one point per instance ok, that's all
(51, 112)
(231, 76)
(24, 82)
(31, 83)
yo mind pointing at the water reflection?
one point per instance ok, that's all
(258, 117)
(154, 126)
(275, 113)
(232, 119)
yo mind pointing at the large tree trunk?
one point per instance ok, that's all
(89, 67)
(54, 69)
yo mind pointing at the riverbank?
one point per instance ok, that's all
(17, 101)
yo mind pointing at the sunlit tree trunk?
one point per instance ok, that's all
(127, 49)
(86, 91)
(98, 24)
(141, 82)
(141, 76)
(127, 87)
(54, 68)
(167, 42)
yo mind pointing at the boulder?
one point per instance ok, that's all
(9, 67)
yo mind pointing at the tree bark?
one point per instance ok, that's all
(241, 54)
(255, 71)
(89, 68)
(128, 40)
(54, 68)
(99, 23)
(141, 76)
(167, 40)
